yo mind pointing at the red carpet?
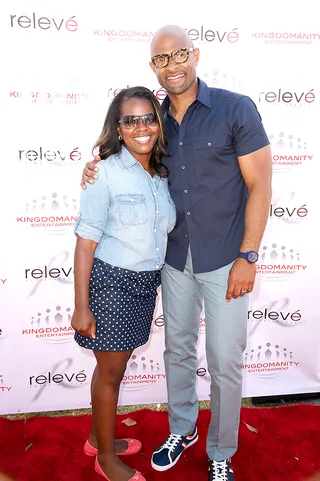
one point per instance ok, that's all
(285, 448)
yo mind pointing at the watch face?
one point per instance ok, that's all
(252, 256)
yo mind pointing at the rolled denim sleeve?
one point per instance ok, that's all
(94, 206)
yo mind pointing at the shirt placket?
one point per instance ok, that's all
(152, 185)
(185, 185)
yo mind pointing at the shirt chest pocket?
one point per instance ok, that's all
(132, 209)
(209, 155)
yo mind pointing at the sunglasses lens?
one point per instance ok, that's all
(129, 121)
(132, 121)
(180, 56)
(160, 61)
(150, 119)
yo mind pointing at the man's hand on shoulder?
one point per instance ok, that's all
(89, 174)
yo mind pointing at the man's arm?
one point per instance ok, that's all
(256, 169)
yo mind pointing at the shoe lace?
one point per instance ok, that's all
(172, 441)
(220, 470)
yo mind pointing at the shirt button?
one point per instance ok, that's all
(188, 213)
(154, 193)
(157, 266)
(181, 143)
(209, 143)
(183, 167)
(157, 248)
(155, 230)
(157, 212)
(186, 235)
(185, 191)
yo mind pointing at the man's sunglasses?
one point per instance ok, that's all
(132, 121)
(178, 56)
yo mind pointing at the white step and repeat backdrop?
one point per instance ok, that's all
(62, 63)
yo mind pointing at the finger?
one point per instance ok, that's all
(83, 185)
(229, 294)
(91, 166)
(244, 290)
(89, 174)
(236, 291)
(97, 158)
(93, 330)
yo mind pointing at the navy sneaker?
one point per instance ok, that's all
(168, 454)
(220, 470)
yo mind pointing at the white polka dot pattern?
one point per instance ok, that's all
(122, 302)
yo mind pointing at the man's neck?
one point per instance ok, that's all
(179, 103)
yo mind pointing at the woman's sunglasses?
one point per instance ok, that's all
(132, 121)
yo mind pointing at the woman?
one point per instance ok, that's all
(122, 229)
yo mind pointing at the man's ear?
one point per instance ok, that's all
(153, 68)
(196, 56)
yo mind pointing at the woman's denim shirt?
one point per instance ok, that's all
(128, 213)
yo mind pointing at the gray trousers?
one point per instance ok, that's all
(226, 336)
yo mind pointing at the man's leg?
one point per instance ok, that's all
(182, 300)
(226, 337)
(182, 308)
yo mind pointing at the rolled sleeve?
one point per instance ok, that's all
(249, 133)
(94, 206)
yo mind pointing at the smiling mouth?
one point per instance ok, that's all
(175, 77)
(143, 140)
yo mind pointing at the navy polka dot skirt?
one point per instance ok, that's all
(122, 303)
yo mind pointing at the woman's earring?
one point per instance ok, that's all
(120, 137)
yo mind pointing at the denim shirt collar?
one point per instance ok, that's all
(126, 158)
(203, 96)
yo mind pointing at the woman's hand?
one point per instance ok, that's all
(84, 322)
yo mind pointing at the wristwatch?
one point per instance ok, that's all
(250, 256)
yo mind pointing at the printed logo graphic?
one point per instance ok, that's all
(158, 324)
(160, 93)
(52, 214)
(288, 151)
(61, 375)
(202, 328)
(222, 80)
(3, 281)
(35, 21)
(286, 208)
(58, 269)
(45, 156)
(142, 371)
(210, 35)
(4, 387)
(279, 261)
(287, 97)
(47, 272)
(43, 96)
(124, 35)
(203, 372)
(285, 317)
(286, 38)
(51, 324)
(269, 360)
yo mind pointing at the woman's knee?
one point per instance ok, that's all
(111, 369)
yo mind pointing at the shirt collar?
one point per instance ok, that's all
(126, 158)
(203, 96)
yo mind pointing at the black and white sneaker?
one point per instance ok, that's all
(220, 470)
(168, 454)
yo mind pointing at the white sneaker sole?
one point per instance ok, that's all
(165, 468)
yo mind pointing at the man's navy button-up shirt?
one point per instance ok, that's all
(205, 180)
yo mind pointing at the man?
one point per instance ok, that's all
(220, 180)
